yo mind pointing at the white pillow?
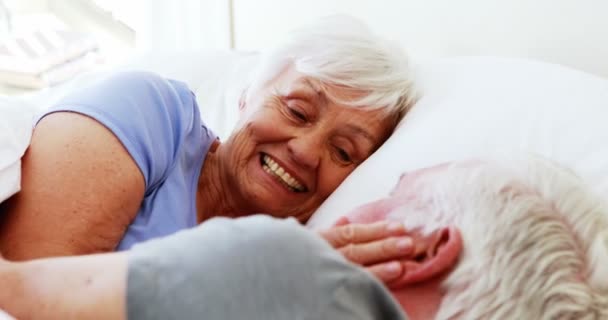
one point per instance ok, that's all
(471, 106)
(15, 133)
(218, 99)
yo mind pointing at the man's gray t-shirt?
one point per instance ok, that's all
(250, 268)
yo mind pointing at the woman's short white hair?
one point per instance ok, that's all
(341, 50)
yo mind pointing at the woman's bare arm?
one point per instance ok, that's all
(84, 287)
(80, 191)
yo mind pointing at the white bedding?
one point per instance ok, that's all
(5, 316)
(15, 133)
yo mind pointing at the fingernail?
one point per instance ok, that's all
(404, 244)
(394, 226)
(393, 267)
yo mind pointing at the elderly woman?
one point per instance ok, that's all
(129, 159)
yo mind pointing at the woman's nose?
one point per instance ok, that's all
(305, 149)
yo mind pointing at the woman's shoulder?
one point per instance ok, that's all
(135, 100)
(131, 88)
(142, 82)
(153, 117)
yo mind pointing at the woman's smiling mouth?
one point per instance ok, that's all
(274, 169)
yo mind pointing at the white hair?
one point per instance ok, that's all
(535, 240)
(340, 50)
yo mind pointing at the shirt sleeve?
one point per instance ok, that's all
(250, 268)
(150, 116)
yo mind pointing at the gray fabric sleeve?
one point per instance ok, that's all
(250, 268)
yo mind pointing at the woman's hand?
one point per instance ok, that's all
(377, 246)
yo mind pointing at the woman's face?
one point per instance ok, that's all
(294, 146)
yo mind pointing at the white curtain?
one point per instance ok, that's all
(184, 25)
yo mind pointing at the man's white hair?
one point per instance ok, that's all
(340, 50)
(535, 240)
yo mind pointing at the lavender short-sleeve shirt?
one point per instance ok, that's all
(158, 122)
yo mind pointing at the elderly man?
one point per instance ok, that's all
(532, 245)
(534, 240)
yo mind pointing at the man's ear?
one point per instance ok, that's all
(434, 255)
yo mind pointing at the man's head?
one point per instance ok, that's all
(534, 241)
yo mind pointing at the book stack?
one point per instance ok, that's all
(46, 57)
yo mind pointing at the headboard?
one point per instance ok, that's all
(568, 32)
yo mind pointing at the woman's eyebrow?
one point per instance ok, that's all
(313, 92)
(320, 94)
(315, 88)
(362, 132)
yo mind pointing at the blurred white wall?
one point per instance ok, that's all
(183, 25)
(20, 6)
(569, 32)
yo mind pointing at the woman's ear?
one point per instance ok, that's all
(434, 255)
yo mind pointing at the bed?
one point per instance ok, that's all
(497, 96)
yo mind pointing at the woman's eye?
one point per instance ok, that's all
(299, 115)
(344, 156)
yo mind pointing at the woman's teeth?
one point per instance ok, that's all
(273, 168)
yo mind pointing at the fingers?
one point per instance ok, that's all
(342, 221)
(341, 236)
(378, 251)
(379, 246)
(387, 272)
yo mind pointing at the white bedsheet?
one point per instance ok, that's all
(16, 119)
